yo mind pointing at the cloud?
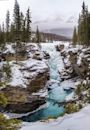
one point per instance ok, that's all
(55, 22)
(72, 19)
(40, 21)
(47, 13)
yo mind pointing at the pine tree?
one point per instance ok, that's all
(24, 36)
(88, 32)
(87, 27)
(2, 35)
(75, 36)
(17, 23)
(7, 26)
(83, 23)
(17, 27)
(84, 15)
(21, 19)
(79, 30)
(28, 28)
(38, 35)
(83, 26)
(12, 33)
(23, 28)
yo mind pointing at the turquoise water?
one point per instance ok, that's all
(57, 93)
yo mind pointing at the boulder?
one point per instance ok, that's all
(37, 55)
(66, 74)
(46, 55)
(60, 47)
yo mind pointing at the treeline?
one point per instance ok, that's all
(17, 30)
(50, 37)
(81, 34)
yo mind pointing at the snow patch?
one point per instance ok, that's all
(9, 49)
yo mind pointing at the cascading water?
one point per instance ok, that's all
(55, 62)
(56, 92)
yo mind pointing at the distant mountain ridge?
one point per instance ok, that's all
(47, 36)
(67, 32)
(55, 37)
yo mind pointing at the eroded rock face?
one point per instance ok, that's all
(78, 60)
(21, 101)
(28, 76)
(38, 82)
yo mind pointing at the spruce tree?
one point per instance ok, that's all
(87, 28)
(28, 28)
(88, 31)
(1, 37)
(7, 26)
(23, 28)
(83, 26)
(12, 33)
(24, 36)
(84, 15)
(38, 35)
(17, 27)
(17, 21)
(79, 30)
(75, 36)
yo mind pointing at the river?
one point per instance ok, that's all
(56, 93)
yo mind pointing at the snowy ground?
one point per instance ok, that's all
(76, 121)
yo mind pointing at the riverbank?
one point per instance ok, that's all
(76, 121)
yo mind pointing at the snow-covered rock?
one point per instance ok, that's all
(70, 97)
(77, 58)
(28, 77)
(25, 71)
(9, 49)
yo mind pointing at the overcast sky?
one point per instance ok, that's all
(47, 13)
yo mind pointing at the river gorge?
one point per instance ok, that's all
(56, 91)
